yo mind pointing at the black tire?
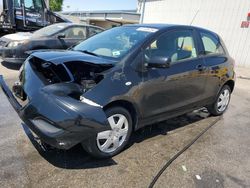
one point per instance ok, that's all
(91, 146)
(213, 109)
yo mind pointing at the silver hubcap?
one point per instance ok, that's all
(223, 100)
(111, 140)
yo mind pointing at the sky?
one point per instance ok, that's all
(72, 5)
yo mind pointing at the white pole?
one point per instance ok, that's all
(142, 11)
(47, 3)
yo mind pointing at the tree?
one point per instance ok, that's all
(55, 5)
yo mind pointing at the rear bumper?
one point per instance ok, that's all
(58, 121)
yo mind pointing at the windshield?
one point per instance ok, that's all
(114, 43)
(49, 30)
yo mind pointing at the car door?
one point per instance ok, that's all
(72, 35)
(179, 87)
(34, 13)
(215, 59)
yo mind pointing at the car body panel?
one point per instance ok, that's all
(176, 85)
(155, 94)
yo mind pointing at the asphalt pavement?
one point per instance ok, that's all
(220, 158)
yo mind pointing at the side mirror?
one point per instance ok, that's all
(158, 62)
(61, 36)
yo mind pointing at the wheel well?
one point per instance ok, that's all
(231, 84)
(128, 106)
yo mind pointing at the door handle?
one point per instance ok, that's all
(200, 67)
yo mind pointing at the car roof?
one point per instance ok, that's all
(77, 24)
(167, 26)
(157, 26)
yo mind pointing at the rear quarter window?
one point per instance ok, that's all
(211, 44)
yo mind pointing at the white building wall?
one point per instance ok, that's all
(221, 16)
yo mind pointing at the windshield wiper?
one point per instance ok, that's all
(88, 52)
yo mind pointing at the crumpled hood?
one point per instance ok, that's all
(62, 56)
(17, 36)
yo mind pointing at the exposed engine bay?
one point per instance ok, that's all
(85, 74)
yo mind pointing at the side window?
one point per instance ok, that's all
(94, 31)
(177, 45)
(38, 4)
(33, 4)
(29, 4)
(75, 33)
(211, 44)
(17, 3)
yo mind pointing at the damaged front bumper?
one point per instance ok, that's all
(53, 116)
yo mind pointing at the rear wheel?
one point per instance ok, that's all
(109, 143)
(222, 101)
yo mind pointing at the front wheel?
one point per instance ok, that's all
(109, 143)
(222, 101)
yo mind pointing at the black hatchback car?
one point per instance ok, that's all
(57, 36)
(120, 80)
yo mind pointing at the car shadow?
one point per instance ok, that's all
(74, 158)
(77, 158)
(12, 66)
(164, 127)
